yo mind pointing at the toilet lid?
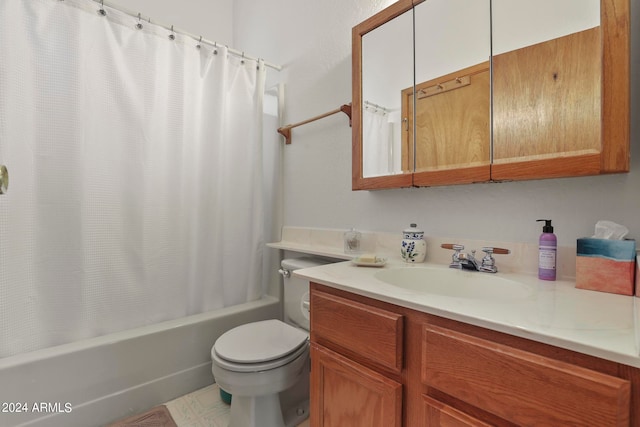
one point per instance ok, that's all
(259, 342)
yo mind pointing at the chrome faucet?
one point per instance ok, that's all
(468, 261)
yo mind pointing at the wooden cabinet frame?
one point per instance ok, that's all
(438, 354)
(612, 157)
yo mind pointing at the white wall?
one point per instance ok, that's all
(312, 40)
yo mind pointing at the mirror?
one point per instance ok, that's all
(501, 90)
(382, 84)
(377, 80)
(559, 55)
(452, 93)
(447, 59)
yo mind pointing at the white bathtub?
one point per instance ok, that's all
(99, 380)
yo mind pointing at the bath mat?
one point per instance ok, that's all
(155, 417)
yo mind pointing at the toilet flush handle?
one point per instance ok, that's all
(285, 273)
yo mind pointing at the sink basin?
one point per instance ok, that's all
(455, 283)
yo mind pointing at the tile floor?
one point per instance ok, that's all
(203, 408)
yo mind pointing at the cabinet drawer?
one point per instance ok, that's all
(368, 332)
(437, 414)
(521, 387)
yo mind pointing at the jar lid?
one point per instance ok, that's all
(413, 228)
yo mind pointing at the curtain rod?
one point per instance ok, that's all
(376, 106)
(199, 39)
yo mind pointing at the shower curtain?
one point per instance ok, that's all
(380, 154)
(135, 162)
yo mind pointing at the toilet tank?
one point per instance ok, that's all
(296, 290)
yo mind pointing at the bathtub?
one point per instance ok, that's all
(99, 380)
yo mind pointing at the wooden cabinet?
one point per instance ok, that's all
(359, 330)
(556, 102)
(560, 89)
(349, 394)
(375, 363)
(452, 128)
(356, 359)
(547, 112)
(436, 413)
(534, 132)
(520, 386)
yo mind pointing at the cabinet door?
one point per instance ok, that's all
(452, 97)
(560, 88)
(521, 387)
(452, 127)
(547, 108)
(344, 393)
(437, 414)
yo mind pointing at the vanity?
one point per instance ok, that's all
(466, 91)
(390, 347)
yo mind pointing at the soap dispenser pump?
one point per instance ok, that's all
(547, 250)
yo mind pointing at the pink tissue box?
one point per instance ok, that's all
(638, 275)
(606, 265)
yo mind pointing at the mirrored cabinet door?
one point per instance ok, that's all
(560, 88)
(387, 68)
(463, 91)
(547, 75)
(452, 101)
(382, 67)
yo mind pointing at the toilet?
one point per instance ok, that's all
(265, 365)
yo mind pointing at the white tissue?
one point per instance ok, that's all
(610, 230)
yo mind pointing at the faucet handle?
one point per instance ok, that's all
(498, 251)
(488, 263)
(454, 246)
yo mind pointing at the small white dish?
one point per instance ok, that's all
(379, 262)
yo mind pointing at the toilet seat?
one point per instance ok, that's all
(259, 346)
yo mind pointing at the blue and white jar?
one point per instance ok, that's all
(414, 247)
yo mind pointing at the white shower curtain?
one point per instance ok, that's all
(378, 144)
(136, 174)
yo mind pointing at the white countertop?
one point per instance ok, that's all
(595, 323)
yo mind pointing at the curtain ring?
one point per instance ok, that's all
(199, 45)
(102, 11)
(139, 24)
(172, 36)
(242, 60)
(215, 48)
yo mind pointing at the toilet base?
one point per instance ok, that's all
(295, 400)
(256, 411)
(296, 414)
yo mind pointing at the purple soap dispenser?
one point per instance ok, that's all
(547, 249)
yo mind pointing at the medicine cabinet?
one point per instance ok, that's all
(463, 91)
